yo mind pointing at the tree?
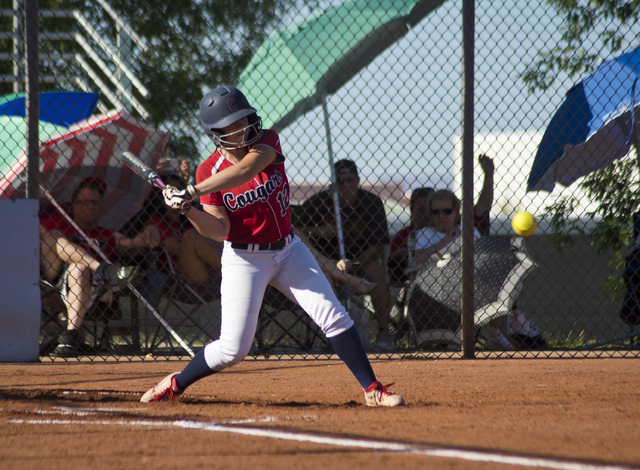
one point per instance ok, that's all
(193, 45)
(616, 188)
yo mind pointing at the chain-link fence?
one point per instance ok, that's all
(373, 90)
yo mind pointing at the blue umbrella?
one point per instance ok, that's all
(61, 108)
(593, 127)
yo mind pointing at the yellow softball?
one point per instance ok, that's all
(524, 224)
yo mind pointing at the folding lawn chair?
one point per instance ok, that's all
(433, 296)
(102, 322)
(181, 302)
(132, 289)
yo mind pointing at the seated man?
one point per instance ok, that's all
(364, 226)
(66, 257)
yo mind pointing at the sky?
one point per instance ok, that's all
(399, 118)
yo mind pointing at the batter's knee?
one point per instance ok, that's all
(220, 356)
(338, 325)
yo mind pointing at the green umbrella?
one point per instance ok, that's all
(293, 69)
(13, 140)
(296, 67)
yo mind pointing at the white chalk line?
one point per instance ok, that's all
(452, 453)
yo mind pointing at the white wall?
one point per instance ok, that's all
(513, 155)
(19, 280)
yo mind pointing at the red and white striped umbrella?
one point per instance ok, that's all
(93, 148)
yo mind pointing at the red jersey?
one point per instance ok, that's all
(103, 237)
(258, 210)
(400, 240)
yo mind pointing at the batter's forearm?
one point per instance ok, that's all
(209, 226)
(225, 180)
(239, 174)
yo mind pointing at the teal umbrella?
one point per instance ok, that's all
(293, 69)
(296, 67)
(13, 130)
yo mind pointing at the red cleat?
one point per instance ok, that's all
(166, 390)
(378, 395)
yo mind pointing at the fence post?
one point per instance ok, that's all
(32, 101)
(468, 31)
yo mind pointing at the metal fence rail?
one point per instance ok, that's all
(379, 83)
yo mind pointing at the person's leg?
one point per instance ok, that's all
(302, 281)
(375, 273)
(331, 271)
(243, 284)
(78, 294)
(195, 254)
(70, 253)
(50, 262)
(498, 340)
(154, 286)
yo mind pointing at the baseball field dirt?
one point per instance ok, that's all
(292, 414)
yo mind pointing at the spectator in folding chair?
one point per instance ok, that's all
(444, 208)
(67, 259)
(420, 218)
(334, 271)
(196, 257)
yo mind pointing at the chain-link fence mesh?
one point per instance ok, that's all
(374, 88)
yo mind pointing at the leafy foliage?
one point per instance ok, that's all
(193, 46)
(615, 189)
(580, 20)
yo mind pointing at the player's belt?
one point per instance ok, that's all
(273, 246)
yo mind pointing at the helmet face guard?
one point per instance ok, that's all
(222, 107)
(251, 134)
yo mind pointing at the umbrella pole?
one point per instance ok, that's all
(95, 247)
(334, 189)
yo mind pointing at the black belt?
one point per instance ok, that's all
(273, 246)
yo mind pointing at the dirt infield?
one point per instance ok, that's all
(485, 414)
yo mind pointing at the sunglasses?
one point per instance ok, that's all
(437, 212)
(348, 180)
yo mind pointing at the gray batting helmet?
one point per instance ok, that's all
(223, 106)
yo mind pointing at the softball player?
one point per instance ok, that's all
(245, 193)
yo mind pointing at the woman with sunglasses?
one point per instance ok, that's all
(444, 208)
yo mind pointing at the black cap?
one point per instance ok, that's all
(346, 166)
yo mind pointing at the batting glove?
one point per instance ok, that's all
(180, 199)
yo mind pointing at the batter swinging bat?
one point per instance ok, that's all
(141, 169)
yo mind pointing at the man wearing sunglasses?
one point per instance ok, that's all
(68, 261)
(364, 226)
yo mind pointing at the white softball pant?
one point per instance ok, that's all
(245, 275)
